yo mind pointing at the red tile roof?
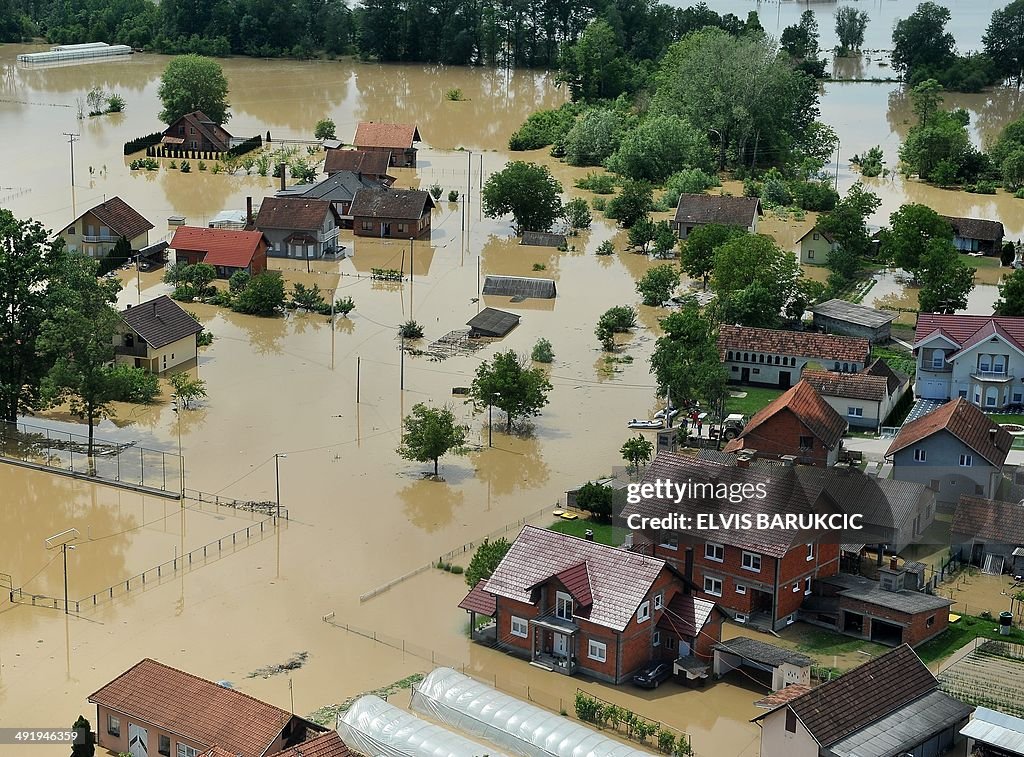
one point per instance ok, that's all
(964, 421)
(194, 708)
(576, 581)
(395, 136)
(619, 579)
(855, 386)
(479, 601)
(325, 745)
(823, 347)
(359, 161)
(780, 697)
(966, 330)
(223, 247)
(120, 217)
(989, 519)
(817, 416)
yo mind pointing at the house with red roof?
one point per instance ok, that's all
(798, 424)
(196, 131)
(227, 250)
(977, 357)
(155, 709)
(97, 230)
(954, 450)
(576, 606)
(396, 139)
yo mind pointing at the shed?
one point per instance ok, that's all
(849, 319)
(1000, 734)
(543, 239)
(785, 666)
(513, 725)
(492, 322)
(523, 287)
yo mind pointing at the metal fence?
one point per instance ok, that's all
(245, 505)
(113, 462)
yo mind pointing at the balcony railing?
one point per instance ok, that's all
(99, 239)
(1003, 375)
(138, 350)
(932, 368)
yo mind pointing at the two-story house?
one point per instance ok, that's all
(889, 705)
(798, 423)
(97, 230)
(863, 399)
(157, 335)
(298, 227)
(977, 357)
(695, 210)
(955, 450)
(196, 131)
(772, 357)
(573, 605)
(227, 250)
(815, 245)
(339, 189)
(396, 140)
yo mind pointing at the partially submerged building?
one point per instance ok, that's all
(520, 287)
(157, 335)
(493, 323)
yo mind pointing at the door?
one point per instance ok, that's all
(744, 374)
(784, 379)
(138, 741)
(561, 645)
(385, 230)
(684, 648)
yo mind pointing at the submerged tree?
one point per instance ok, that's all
(921, 39)
(946, 280)
(528, 192)
(431, 432)
(850, 27)
(486, 559)
(1004, 41)
(194, 82)
(509, 385)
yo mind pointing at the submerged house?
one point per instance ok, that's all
(977, 235)
(339, 189)
(491, 322)
(298, 227)
(96, 231)
(397, 140)
(157, 335)
(227, 250)
(392, 213)
(815, 245)
(372, 165)
(196, 131)
(695, 210)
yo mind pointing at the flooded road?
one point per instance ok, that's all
(360, 516)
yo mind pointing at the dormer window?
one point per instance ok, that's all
(563, 605)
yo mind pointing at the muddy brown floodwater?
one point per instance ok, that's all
(360, 516)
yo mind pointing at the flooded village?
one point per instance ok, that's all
(268, 539)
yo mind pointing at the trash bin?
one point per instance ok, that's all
(1005, 623)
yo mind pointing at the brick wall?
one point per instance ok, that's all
(417, 229)
(506, 608)
(915, 626)
(780, 435)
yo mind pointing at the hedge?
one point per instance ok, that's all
(141, 143)
(253, 143)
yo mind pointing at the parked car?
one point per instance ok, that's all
(652, 676)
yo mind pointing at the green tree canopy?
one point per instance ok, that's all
(596, 67)
(430, 432)
(685, 361)
(1004, 41)
(946, 279)
(847, 225)
(632, 203)
(658, 147)
(325, 129)
(193, 82)
(528, 192)
(1011, 295)
(508, 384)
(595, 135)
(698, 249)
(658, 283)
(486, 560)
(263, 295)
(921, 39)
(850, 27)
(911, 228)
(754, 262)
(637, 451)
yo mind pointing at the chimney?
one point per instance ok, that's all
(688, 567)
(893, 564)
(154, 308)
(283, 185)
(248, 212)
(743, 459)
(588, 535)
(788, 460)
(992, 435)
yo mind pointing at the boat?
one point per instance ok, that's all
(671, 413)
(635, 423)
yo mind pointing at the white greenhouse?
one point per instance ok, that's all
(76, 53)
(514, 725)
(373, 727)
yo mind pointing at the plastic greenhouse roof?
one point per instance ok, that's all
(512, 724)
(371, 726)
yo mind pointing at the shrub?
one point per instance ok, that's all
(543, 352)
(543, 128)
(1019, 194)
(141, 143)
(596, 500)
(410, 330)
(606, 248)
(657, 284)
(435, 191)
(386, 274)
(983, 187)
(173, 164)
(666, 742)
(457, 570)
(454, 95)
(539, 267)
(453, 195)
(239, 280)
(599, 204)
(687, 181)
(248, 145)
(871, 163)
(324, 129)
(598, 183)
(115, 103)
(345, 305)
(215, 169)
(774, 190)
(201, 165)
(133, 384)
(185, 166)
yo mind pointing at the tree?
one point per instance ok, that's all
(594, 137)
(658, 283)
(801, 42)
(486, 559)
(846, 224)
(1004, 41)
(596, 67)
(685, 361)
(542, 351)
(78, 336)
(658, 147)
(632, 203)
(595, 499)
(614, 320)
(911, 228)
(85, 744)
(664, 238)
(946, 280)
(637, 451)
(1011, 295)
(577, 214)
(263, 295)
(698, 249)
(507, 384)
(324, 129)
(642, 233)
(755, 280)
(310, 299)
(1012, 170)
(192, 82)
(528, 192)
(30, 261)
(430, 432)
(921, 39)
(925, 99)
(850, 27)
(187, 389)
(191, 281)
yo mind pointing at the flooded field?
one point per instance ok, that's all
(360, 516)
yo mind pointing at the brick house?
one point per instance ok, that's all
(864, 399)
(392, 213)
(157, 335)
(227, 250)
(97, 230)
(298, 227)
(196, 131)
(155, 709)
(695, 210)
(574, 605)
(798, 423)
(889, 705)
(396, 140)
(771, 357)
(368, 164)
(955, 450)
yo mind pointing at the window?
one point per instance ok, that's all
(669, 540)
(796, 588)
(807, 586)
(983, 364)
(656, 639)
(597, 651)
(963, 393)
(806, 442)
(930, 622)
(966, 461)
(643, 612)
(519, 627)
(713, 586)
(816, 237)
(164, 747)
(401, 228)
(71, 231)
(735, 369)
(670, 642)
(855, 412)
(757, 370)
(1018, 398)
(714, 551)
(113, 725)
(741, 589)
(760, 358)
(776, 360)
(920, 455)
(659, 600)
(563, 605)
(810, 254)
(837, 367)
(729, 356)
(367, 225)
(790, 720)
(751, 561)
(187, 751)
(810, 552)
(938, 360)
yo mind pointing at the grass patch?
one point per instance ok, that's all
(604, 533)
(820, 641)
(963, 632)
(757, 398)
(898, 359)
(1004, 418)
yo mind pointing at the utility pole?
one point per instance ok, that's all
(71, 141)
(412, 273)
(277, 480)
(837, 166)
(63, 540)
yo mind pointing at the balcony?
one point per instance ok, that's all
(932, 368)
(137, 350)
(99, 239)
(997, 376)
